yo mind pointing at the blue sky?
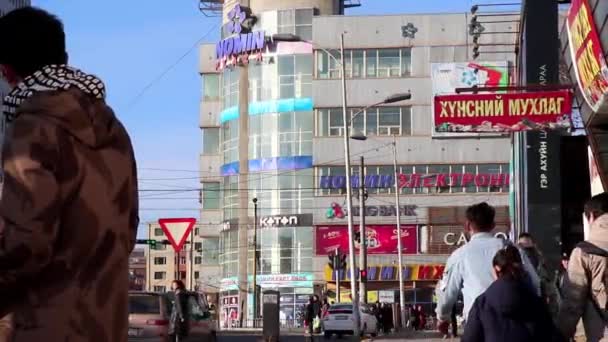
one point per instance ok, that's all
(130, 44)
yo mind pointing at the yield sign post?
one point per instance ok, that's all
(177, 230)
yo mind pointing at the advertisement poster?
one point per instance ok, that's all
(596, 182)
(230, 312)
(588, 59)
(381, 239)
(447, 77)
(503, 112)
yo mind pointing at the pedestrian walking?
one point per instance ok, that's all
(179, 324)
(69, 206)
(548, 289)
(414, 318)
(469, 268)
(421, 318)
(510, 309)
(310, 314)
(585, 286)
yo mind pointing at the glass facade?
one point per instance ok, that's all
(273, 133)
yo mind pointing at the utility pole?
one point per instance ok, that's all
(363, 243)
(255, 261)
(399, 242)
(349, 199)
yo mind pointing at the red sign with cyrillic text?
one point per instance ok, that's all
(381, 239)
(503, 112)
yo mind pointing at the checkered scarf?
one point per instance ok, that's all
(51, 78)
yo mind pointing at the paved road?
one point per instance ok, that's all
(410, 337)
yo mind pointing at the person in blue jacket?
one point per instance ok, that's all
(510, 309)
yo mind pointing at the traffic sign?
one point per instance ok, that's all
(177, 230)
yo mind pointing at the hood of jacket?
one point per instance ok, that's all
(598, 234)
(71, 99)
(510, 297)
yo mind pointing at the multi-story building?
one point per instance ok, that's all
(272, 130)
(164, 265)
(137, 270)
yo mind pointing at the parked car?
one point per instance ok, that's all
(150, 312)
(340, 321)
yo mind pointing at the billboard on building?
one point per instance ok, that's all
(381, 239)
(487, 113)
(588, 59)
(447, 77)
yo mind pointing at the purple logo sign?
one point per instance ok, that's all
(236, 17)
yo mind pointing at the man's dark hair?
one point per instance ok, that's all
(32, 38)
(525, 235)
(597, 205)
(481, 216)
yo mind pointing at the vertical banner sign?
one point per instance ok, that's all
(544, 190)
(540, 211)
(587, 57)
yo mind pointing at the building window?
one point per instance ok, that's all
(370, 63)
(198, 260)
(379, 121)
(197, 274)
(182, 274)
(425, 179)
(211, 195)
(160, 288)
(182, 260)
(229, 91)
(210, 250)
(158, 232)
(160, 275)
(211, 141)
(211, 87)
(295, 76)
(298, 22)
(198, 246)
(196, 231)
(160, 261)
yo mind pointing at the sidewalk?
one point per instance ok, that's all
(415, 336)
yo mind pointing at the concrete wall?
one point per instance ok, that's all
(440, 38)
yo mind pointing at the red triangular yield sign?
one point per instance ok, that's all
(177, 230)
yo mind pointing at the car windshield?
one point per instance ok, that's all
(144, 304)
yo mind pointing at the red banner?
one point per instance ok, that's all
(381, 239)
(503, 112)
(588, 59)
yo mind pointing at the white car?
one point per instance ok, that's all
(340, 321)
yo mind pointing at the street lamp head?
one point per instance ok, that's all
(286, 37)
(397, 98)
(255, 200)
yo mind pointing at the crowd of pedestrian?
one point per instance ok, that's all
(508, 292)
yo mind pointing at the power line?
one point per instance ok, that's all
(169, 68)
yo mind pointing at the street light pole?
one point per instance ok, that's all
(399, 242)
(349, 199)
(255, 261)
(363, 244)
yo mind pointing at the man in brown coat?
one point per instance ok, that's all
(585, 294)
(69, 206)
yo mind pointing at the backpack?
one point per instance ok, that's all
(592, 249)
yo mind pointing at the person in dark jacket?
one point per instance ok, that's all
(309, 315)
(179, 325)
(509, 310)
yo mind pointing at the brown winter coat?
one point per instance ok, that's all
(585, 281)
(68, 215)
